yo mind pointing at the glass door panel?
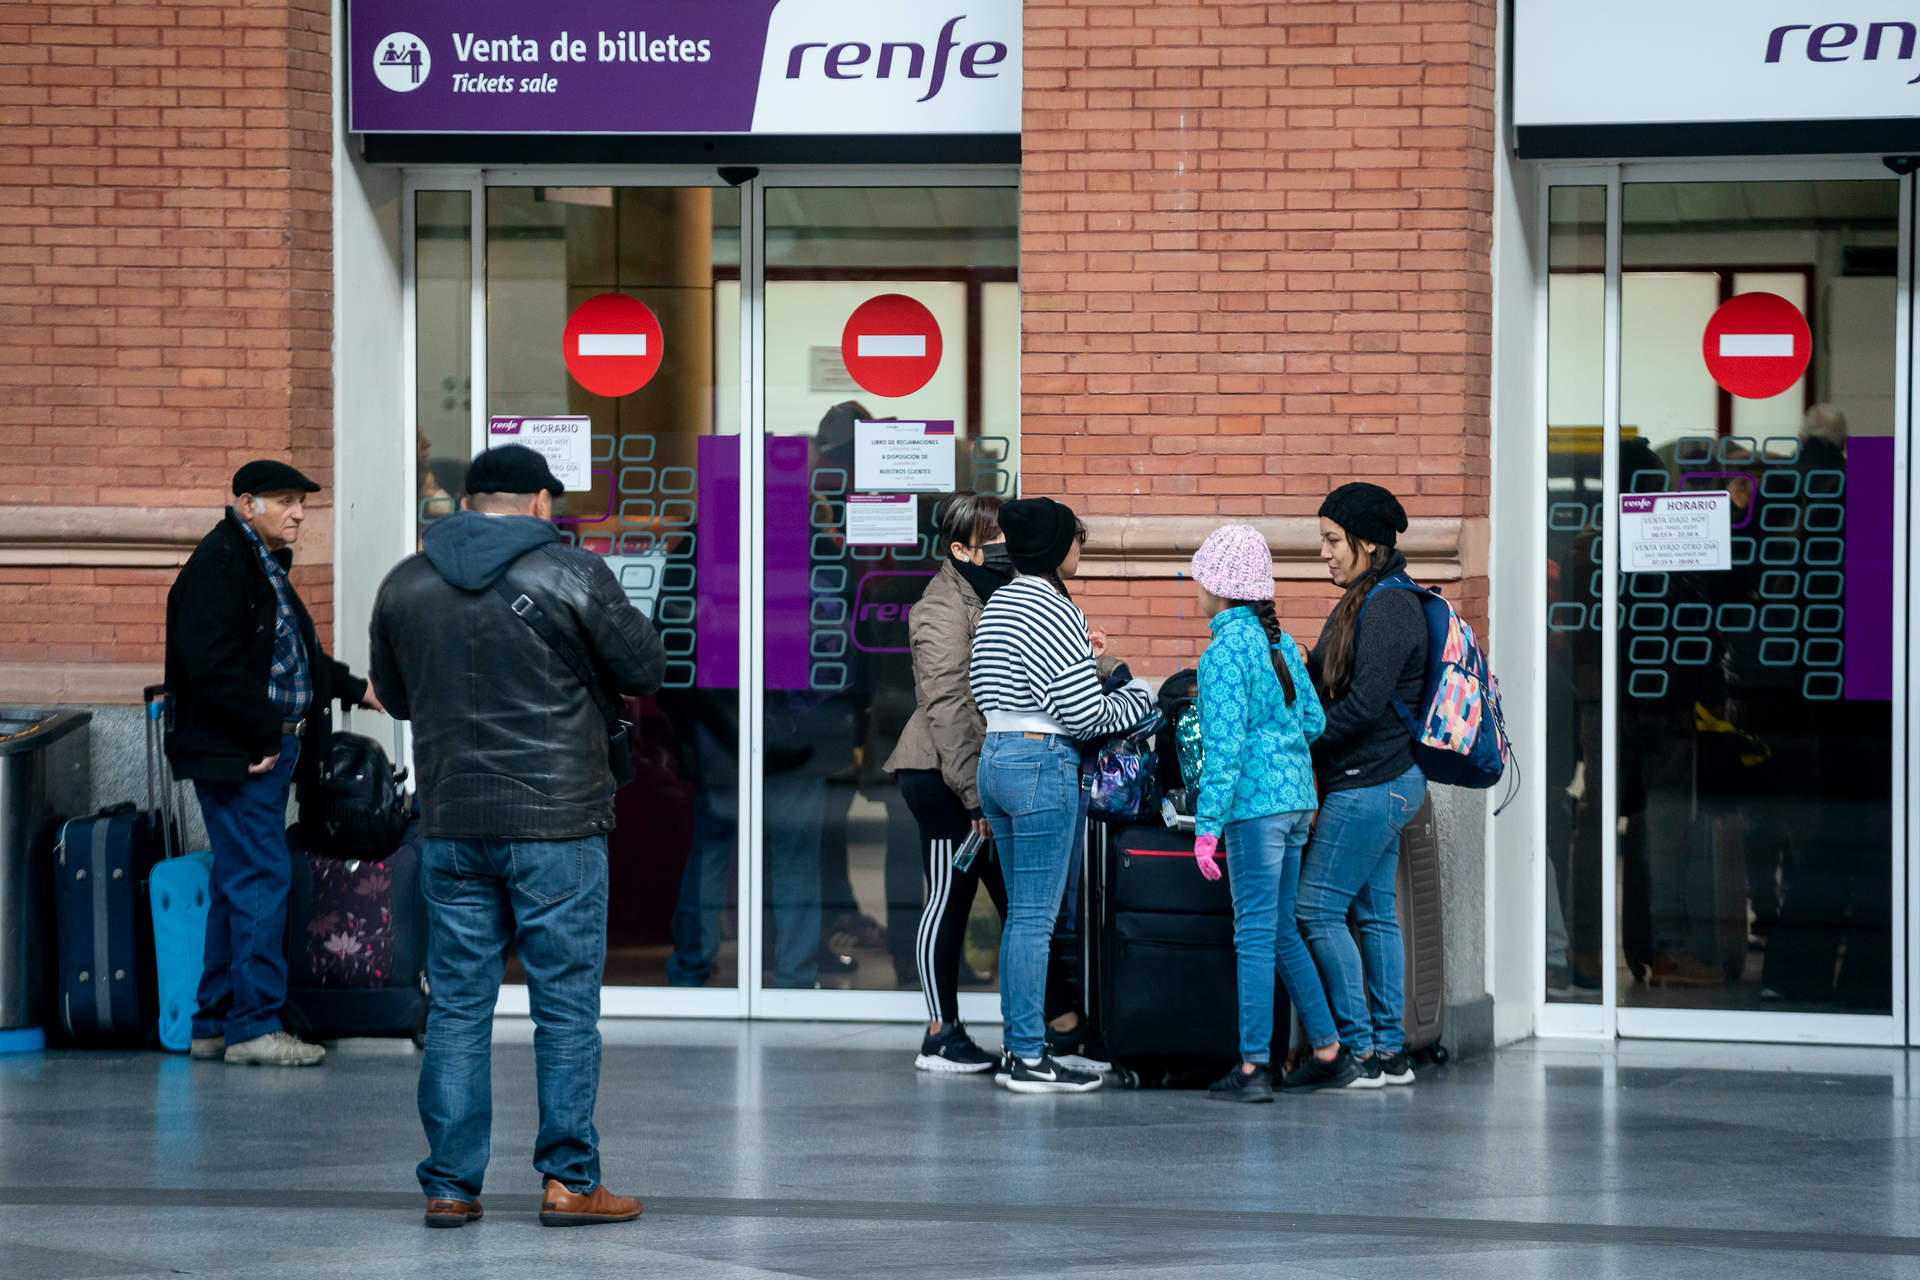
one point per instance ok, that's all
(843, 870)
(663, 508)
(1754, 722)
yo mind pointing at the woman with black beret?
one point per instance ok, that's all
(1373, 647)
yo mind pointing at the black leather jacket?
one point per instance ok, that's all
(507, 742)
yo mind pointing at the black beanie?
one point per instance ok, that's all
(1366, 511)
(1039, 532)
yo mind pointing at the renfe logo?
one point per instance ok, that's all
(1831, 41)
(844, 61)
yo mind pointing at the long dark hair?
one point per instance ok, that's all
(1270, 621)
(1336, 667)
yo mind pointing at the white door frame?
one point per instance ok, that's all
(1608, 1019)
(747, 999)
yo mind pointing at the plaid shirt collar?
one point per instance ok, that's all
(289, 682)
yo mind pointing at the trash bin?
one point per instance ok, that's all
(45, 778)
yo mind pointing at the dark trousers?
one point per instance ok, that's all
(243, 977)
(942, 936)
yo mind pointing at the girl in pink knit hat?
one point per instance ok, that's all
(1258, 716)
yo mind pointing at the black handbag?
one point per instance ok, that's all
(358, 808)
(525, 608)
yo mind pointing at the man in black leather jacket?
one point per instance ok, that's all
(516, 800)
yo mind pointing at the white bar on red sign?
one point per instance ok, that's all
(892, 344)
(613, 344)
(1756, 344)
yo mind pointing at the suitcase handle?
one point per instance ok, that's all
(163, 789)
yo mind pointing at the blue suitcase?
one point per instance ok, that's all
(179, 892)
(105, 985)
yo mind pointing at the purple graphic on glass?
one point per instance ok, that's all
(789, 499)
(716, 564)
(881, 605)
(1868, 661)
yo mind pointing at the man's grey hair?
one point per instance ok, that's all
(502, 504)
(1824, 421)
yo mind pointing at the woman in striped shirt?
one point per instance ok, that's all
(1034, 679)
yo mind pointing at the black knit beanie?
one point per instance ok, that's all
(1039, 532)
(1367, 512)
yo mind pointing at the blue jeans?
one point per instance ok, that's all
(1350, 864)
(243, 978)
(548, 898)
(1030, 793)
(1263, 866)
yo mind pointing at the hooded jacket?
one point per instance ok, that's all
(508, 743)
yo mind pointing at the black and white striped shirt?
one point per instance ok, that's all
(1032, 656)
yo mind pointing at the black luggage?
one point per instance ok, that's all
(1163, 980)
(356, 944)
(358, 807)
(1417, 900)
(103, 926)
(356, 940)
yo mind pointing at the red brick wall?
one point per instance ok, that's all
(1255, 249)
(165, 283)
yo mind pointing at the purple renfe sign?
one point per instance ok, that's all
(684, 66)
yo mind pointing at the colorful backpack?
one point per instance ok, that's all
(1459, 734)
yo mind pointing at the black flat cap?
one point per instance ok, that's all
(512, 468)
(268, 475)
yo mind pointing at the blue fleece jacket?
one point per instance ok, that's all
(1256, 759)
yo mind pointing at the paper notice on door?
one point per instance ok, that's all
(1676, 532)
(566, 443)
(882, 519)
(912, 457)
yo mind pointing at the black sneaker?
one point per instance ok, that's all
(1243, 1086)
(954, 1052)
(1078, 1050)
(1312, 1074)
(1395, 1068)
(1048, 1076)
(1367, 1073)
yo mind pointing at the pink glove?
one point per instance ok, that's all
(1203, 853)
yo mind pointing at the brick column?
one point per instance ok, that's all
(1255, 263)
(165, 252)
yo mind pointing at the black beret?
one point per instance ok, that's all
(1366, 511)
(266, 475)
(512, 468)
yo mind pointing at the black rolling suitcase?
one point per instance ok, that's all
(103, 926)
(1163, 983)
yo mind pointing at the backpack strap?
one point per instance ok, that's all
(1398, 582)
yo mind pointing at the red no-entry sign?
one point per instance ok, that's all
(891, 345)
(612, 344)
(1757, 345)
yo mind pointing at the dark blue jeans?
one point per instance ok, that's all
(243, 977)
(1349, 868)
(548, 898)
(1030, 791)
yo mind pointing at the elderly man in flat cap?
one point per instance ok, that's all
(249, 689)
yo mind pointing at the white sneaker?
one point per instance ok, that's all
(275, 1049)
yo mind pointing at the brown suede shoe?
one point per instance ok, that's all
(563, 1208)
(452, 1213)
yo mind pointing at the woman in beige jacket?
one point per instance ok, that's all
(936, 761)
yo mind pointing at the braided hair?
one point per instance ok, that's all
(1270, 622)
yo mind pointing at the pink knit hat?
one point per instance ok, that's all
(1234, 564)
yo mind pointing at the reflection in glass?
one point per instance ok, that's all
(1575, 325)
(443, 343)
(845, 883)
(1755, 725)
(663, 509)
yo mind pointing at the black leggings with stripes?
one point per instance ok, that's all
(943, 924)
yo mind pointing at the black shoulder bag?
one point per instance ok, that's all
(619, 755)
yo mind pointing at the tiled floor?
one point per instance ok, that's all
(815, 1150)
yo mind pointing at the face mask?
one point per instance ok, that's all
(997, 558)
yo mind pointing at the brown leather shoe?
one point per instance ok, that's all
(563, 1208)
(452, 1213)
